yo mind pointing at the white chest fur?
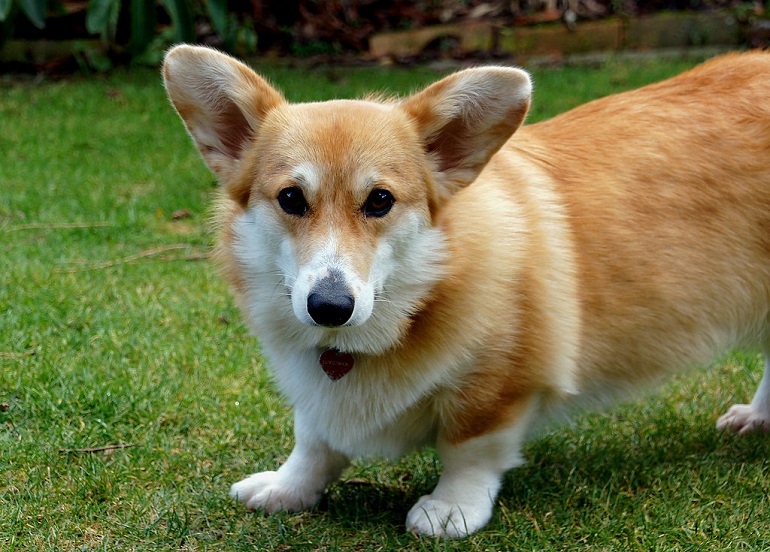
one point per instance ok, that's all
(364, 413)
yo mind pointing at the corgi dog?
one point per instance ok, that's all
(428, 271)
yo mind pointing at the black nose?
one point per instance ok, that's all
(330, 302)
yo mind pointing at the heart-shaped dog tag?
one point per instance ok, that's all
(335, 363)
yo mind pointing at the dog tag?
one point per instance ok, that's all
(335, 363)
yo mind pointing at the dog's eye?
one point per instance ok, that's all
(292, 201)
(378, 203)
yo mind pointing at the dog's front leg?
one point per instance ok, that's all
(464, 498)
(299, 483)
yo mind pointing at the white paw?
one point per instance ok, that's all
(742, 418)
(270, 492)
(433, 517)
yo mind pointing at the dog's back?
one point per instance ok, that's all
(667, 192)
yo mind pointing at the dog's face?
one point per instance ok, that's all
(346, 226)
(337, 240)
(345, 212)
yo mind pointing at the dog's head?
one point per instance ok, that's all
(340, 199)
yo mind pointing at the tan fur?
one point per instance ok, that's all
(582, 257)
(667, 190)
(667, 194)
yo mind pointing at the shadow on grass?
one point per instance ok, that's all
(608, 460)
(605, 463)
(381, 493)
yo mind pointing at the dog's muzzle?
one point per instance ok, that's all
(330, 302)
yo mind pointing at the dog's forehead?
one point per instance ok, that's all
(343, 115)
(345, 134)
(342, 147)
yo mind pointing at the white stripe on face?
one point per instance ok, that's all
(327, 261)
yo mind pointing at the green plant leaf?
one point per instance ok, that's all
(5, 9)
(143, 23)
(217, 10)
(101, 15)
(184, 26)
(35, 11)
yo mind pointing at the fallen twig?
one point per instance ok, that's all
(107, 448)
(17, 355)
(144, 254)
(55, 226)
(190, 257)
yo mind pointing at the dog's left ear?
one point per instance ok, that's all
(466, 117)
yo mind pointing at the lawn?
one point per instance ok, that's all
(132, 396)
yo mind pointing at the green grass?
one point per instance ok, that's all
(150, 352)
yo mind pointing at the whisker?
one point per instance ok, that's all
(250, 271)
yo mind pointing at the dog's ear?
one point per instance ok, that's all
(466, 117)
(221, 101)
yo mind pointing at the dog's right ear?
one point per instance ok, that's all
(222, 103)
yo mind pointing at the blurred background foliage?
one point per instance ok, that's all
(138, 31)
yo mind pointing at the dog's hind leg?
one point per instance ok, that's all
(745, 418)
